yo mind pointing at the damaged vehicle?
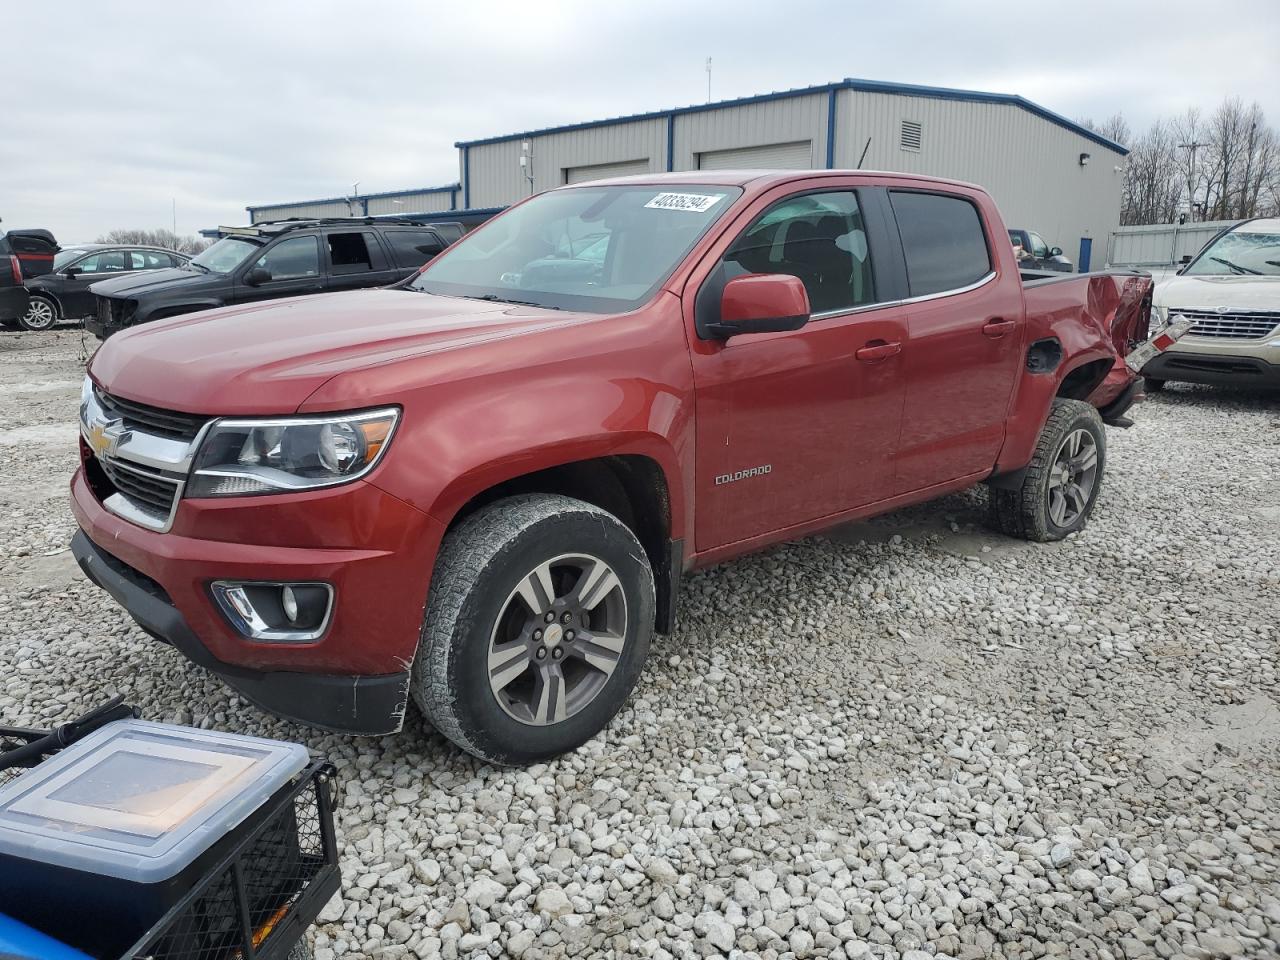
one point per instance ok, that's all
(478, 492)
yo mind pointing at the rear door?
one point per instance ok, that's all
(965, 323)
(355, 259)
(793, 427)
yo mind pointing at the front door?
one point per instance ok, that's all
(73, 291)
(795, 426)
(966, 333)
(292, 268)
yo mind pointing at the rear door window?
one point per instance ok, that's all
(413, 248)
(942, 241)
(354, 253)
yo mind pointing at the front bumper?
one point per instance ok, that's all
(1236, 370)
(354, 678)
(13, 302)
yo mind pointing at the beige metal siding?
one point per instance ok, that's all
(333, 208)
(1030, 166)
(497, 178)
(423, 202)
(789, 120)
(602, 171)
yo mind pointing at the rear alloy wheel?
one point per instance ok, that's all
(41, 314)
(1060, 486)
(538, 625)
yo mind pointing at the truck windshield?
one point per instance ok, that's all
(227, 254)
(599, 249)
(1241, 253)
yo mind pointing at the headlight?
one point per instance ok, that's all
(86, 396)
(1159, 319)
(240, 457)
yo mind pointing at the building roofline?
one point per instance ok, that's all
(363, 196)
(848, 83)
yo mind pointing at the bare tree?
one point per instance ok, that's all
(1191, 141)
(1115, 128)
(156, 238)
(1151, 179)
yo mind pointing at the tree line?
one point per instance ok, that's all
(156, 238)
(1220, 166)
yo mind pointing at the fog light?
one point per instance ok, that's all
(276, 612)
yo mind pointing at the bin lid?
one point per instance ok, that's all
(139, 801)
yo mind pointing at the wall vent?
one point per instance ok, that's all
(909, 138)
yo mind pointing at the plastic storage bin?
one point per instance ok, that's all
(111, 832)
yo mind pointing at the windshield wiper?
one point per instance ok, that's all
(1235, 266)
(494, 298)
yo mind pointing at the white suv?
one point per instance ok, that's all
(1231, 293)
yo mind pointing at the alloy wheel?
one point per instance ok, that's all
(40, 314)
(1073, 477)
(557, 640)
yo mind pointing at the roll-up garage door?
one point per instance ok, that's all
(602, 171)
(770, 156)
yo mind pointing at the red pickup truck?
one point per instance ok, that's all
(479, 490)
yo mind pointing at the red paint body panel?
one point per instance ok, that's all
(490, 392)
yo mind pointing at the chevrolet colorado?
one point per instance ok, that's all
(479, 491)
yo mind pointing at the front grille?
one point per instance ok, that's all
(138, 416)
(1231, 326)
(149, 490)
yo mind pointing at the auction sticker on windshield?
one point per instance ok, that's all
(691, 202)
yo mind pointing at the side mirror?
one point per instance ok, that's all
(1055, 251)
(761, 303)
(71, 272)
(257, 276)
(1186, 258)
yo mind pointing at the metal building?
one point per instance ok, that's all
(392, 203)
(1046, 173)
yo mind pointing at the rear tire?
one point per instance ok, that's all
(1152, 386)
(1062, 482)
(41, 315)
(537, 627)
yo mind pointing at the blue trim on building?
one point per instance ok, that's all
(448, 188)
(831, 129)
(466, 177)
(453, 198)
(849, 83)
(671, 142)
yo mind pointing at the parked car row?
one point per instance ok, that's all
(112, 286)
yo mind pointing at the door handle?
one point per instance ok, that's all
(878, 350)
(997, 327)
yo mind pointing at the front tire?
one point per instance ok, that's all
(1062, 482)
(41, 315)
(537, 627)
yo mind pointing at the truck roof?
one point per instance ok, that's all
(762, 178)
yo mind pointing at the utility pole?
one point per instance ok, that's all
(526, 163)
(708, 79)
(1193, 146)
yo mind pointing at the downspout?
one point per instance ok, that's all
(466, 177)
(831, 128)
(671, 142)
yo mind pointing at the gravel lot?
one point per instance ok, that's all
(911, 738)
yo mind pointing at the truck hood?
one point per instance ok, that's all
(1210, 292)
(145, 281)
(268, 358)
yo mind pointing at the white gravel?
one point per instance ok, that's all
(911, 739)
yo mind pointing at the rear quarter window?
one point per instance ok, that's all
(413, 248)
(943, 241)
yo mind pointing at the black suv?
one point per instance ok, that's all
(285, 258)
(23, 254)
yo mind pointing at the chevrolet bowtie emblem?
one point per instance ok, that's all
(104, 436)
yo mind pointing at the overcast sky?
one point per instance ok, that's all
(111, 111)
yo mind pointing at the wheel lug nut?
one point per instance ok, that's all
(557, 653)
(541, 653)
(537, 634)
(550, 617)
(566, 618)
(568, 634)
